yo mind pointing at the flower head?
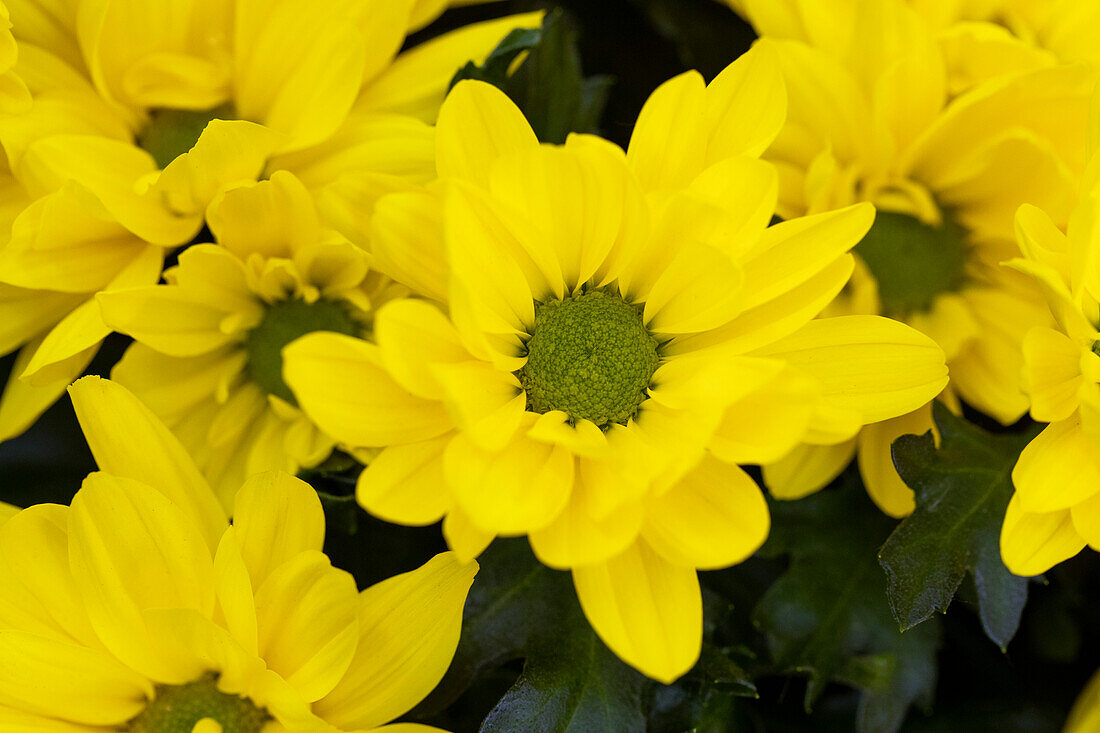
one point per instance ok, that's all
(611, 335)
(1055, 511)
(139, 608)
(208, 353)
(143, 113)
(874, 117)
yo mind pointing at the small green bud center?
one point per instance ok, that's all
(284, 322)
(914, 263)
(172, 132)
(177, 708)
(589, 356)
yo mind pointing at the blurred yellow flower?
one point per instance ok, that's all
(207, 354)
(612, 335)
(872, 119)
(115, 162)
(139, 608)
(1085, 717)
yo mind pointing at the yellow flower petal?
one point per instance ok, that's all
(872, 366)
(413, 336)
(275, 517)
(109, 169)
(572, 199)
(306, 617)
(1086, 520)
(36, 673)
(299, 74)
(1034, 543)
(227, 153)
(488, 405)
(581, 535)
(417, 80)
(775, 319)
(34, 545)
(235, 592)
(767, 423)
(273, 218)
(520, 489)
(25, 314)
(477, 125)
(463, 537)
(132, 549)
(63, 242)
(1057, 469)
(698, 290)
(498, 288)
(876, 463)
(340, 383)
(794, 251)
(807, 468)
(23, 402)
(405, 483)
(669, 146)
(1053, 374)
(127, 440)
(746, 105)
(713, 517)
(409, 627)
(647, 610)
(407, 241)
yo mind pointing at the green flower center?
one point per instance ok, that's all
(172, 132)
(914, 263)
(284, 322)
(177, 708)
(589, 356)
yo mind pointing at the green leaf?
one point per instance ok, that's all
(495, 69)
(962, 489)
(519, 608)
(827, 616)
(548, 85)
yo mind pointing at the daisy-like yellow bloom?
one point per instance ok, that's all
(1085, 716)
(872, 119)
(115, 162)
(1055, 511)
(980, 39)
(139, 608)
(207, 353)
(612, 334)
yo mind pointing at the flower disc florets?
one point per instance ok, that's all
(177, 708)
(284, 322)
(914, 262)
(589, 356)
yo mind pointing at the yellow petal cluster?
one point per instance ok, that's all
(877, 114)
(207, 353)
(140, 596)
(1055, 511)
(576, 252)
(143, 113)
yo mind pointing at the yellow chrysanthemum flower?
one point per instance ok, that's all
(139, 608)
(980, 39)
(1055, 511)
(618, 332)
(1085, 716)
(207, 352)
(871, 119)
(124, 89)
